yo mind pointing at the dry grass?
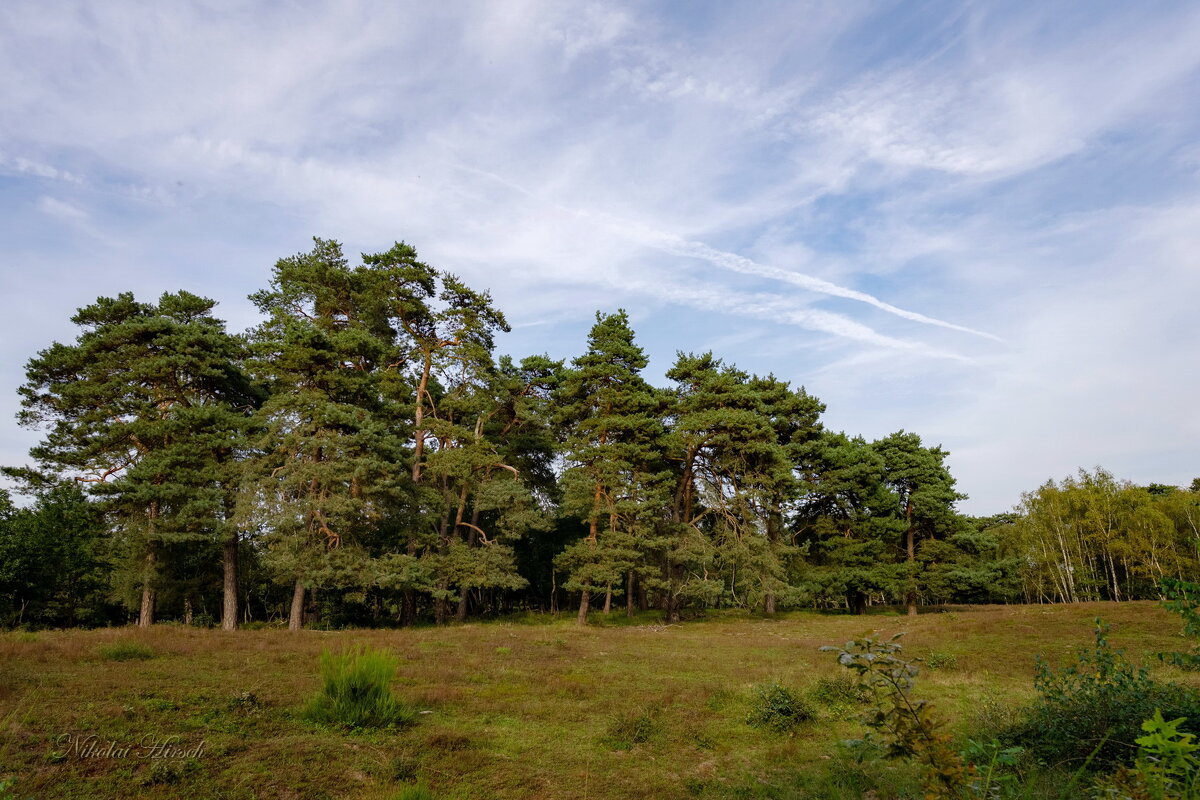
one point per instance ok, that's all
(515, 710)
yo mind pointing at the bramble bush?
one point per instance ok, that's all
(1092, 711)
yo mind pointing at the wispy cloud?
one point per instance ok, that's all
(61, 210)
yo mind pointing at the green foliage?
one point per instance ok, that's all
(356, 691)
(126, 651)
(1183, 597)
(909, 728)
(1094, 708)
(879, 522)
(778, 708)
(362, 455)
(417, 792)
(856, 770)
(735, 437)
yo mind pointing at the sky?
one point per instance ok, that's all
(978, 221)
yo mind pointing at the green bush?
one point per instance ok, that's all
(126, 651)
(778, 708)
(1094, 709)
(357, 691)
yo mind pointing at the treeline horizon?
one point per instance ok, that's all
(363, 457)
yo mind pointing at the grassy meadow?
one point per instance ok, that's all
(528, 708)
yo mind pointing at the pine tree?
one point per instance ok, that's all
(845, 521)
(445, 335)
(326, 474)
(925, 495)
(733, 434)
(616, 479)
(149, 407)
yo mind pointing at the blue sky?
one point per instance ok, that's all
(977, 221)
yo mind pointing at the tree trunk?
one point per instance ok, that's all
(585, 597)
(856, 601)
(461, 613)
(672, 604)
(187, 611)
(419, 416)
(296, 617)
(149, 596)
(312, 608)
(408, 608)
(769, 603)
(471, 538)
(629, 593)
(608, 600)
(229, 563)
(911, 599)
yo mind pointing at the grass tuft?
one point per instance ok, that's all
(626, 730)
(357, 691)
(126, 651)
(940, 659)
(778, 708)
(839, 692)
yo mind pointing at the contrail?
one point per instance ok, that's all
(762, 306)
(675, 245)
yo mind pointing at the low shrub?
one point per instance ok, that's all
(778, 708)
(126, 651)
(1094, 709)
(625, 731)
(939, 659)
(357, 691)
(992, 714)
(839, 693)
(404, 768)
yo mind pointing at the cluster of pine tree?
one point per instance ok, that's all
(364, 457)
